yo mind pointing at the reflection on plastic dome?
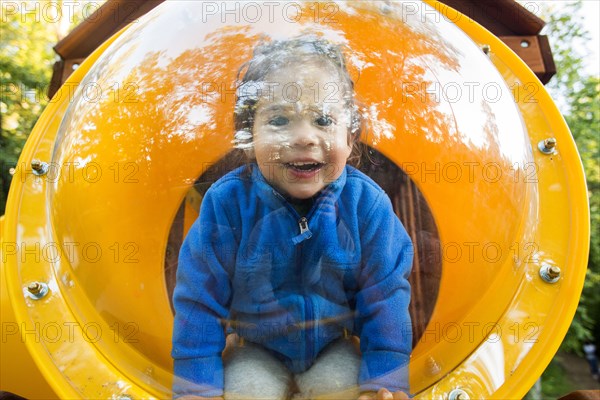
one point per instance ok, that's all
(449, 146)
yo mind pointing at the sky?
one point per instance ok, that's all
(591, 21)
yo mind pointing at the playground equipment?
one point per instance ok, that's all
(108, 184)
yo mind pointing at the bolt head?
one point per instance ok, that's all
(550, 143)
(39, 168)
(547, 146)
(34, 288)
(553, 272)
(432, 366)
(550, 273)
(385, 9)
(458, 394)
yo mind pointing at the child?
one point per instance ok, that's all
(295, 250)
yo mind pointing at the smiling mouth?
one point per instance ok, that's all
(305, 166)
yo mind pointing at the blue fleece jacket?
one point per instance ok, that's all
(290, 284)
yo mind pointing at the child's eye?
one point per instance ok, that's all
(324, 120)
(279, 121)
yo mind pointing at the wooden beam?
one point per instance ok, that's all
(504, 18)
(528, 49)
(548, 59)
(501, 17)
(61, 71)
(101, 25)
(56, 81)
(534, 50)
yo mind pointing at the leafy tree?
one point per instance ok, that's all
(568, 39)
(25, 67)
(28, 30)
(584, 121)
(578, 95)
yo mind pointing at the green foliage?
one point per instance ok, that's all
(578, 95)
(568, 40)
(555, 382)
(584, 121)
(28, 31)
(25, 66)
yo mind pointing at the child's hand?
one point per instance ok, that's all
(383, 394)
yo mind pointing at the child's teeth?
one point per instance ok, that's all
(305, 165)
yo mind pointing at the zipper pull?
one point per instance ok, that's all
(305, 233)
(303, 225)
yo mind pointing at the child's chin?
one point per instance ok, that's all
(304, 193)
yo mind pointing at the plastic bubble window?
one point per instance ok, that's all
(452, 135)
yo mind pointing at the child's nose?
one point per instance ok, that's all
(306, 135)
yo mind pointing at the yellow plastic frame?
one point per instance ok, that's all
(549, 306)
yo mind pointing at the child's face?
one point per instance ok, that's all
(301, 129)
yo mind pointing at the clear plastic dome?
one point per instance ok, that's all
(152, 126)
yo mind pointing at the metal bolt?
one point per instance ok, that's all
(458, 394)
(385, 8)
(37, 290)
(486, 49)
(550, 273)
(433, 368)
(547, 146)
(39, 167)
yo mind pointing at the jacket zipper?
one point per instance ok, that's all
(303, 223)
(305, 232)
(309, 314)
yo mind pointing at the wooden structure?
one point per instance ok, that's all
(507, 19)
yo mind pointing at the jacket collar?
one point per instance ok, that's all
(326, 198)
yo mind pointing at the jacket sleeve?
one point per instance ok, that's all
(201, 300)
(382, 317)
